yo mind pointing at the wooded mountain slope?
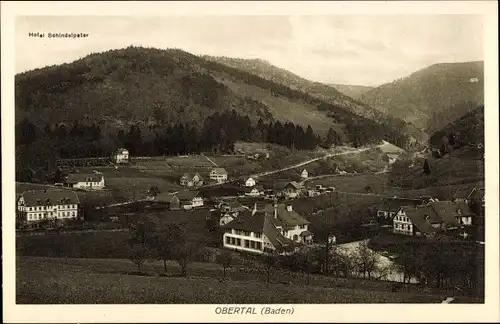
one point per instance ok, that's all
(324, 92)
(353, 91)
(148, 85)
(433, 96)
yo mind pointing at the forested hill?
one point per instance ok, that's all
(433, 96)
(327, 93)
(164, 87)
(466, 130)
(353, 91)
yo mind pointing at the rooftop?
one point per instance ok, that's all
(49, 197)
(84, 177)
(393, 204)
(219, 170)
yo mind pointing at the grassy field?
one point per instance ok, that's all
(81, 281)
(113, 244)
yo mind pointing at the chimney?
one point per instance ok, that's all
(289, 207)
(275, 210)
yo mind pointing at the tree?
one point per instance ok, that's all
(426, 168)
(138, 254)
(366, 260)
(154, 191)
(165, 242)
(225, 259)
(185, 252)
(269, 260)
(305, 262)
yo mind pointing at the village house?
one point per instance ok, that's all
(189, 199)
(292, 190)
(218, 175)
(228, 210)
(275, 229)
(428, 219)
(231, 206)
(191, 180)
(295, 227)
(390, 206)
(92, 181)
(304, 174)
(256, 191)
(37, 205)
(392, 157)
(250, 182)
(122, 156)
(170, 200)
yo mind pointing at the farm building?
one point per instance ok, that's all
(37, 205)
(189, 199)
(390, 206)
(428, 219)
(121, 156)
(304, 174)
(218, 175)
(191, 180)
(292, 190)
(256, 191)
(250, 182)
(93, 181)
(171, 200)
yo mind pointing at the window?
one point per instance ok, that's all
(252, 244)
(247, 244)
(228, 240)
(233, 241)
(259, 245)
(238, 242)
(257, 235)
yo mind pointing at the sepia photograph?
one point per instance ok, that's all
(253, 162)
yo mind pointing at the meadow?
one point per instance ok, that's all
(97, 281)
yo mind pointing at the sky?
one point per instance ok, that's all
(345, 49)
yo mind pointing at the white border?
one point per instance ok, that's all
(303, 313)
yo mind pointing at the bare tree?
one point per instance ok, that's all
(138, 255)
(225, 259)
(366, 260)
(165, 242)
(269, 260)
(185, 252)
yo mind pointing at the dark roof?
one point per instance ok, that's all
(165, 197)
(189, 177)
(187, 195)
(220, 170)
(294, 184)
(49, 197)
(437, 212)
(250, 189)
(420, 217)
(462, 192)
(305, 233)
(84, 177)
(248, 222)
(448, 211)
(394, 204)
(476, 194)
(121, 151)
(274, 236)
(289, 218)
(234, 205)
